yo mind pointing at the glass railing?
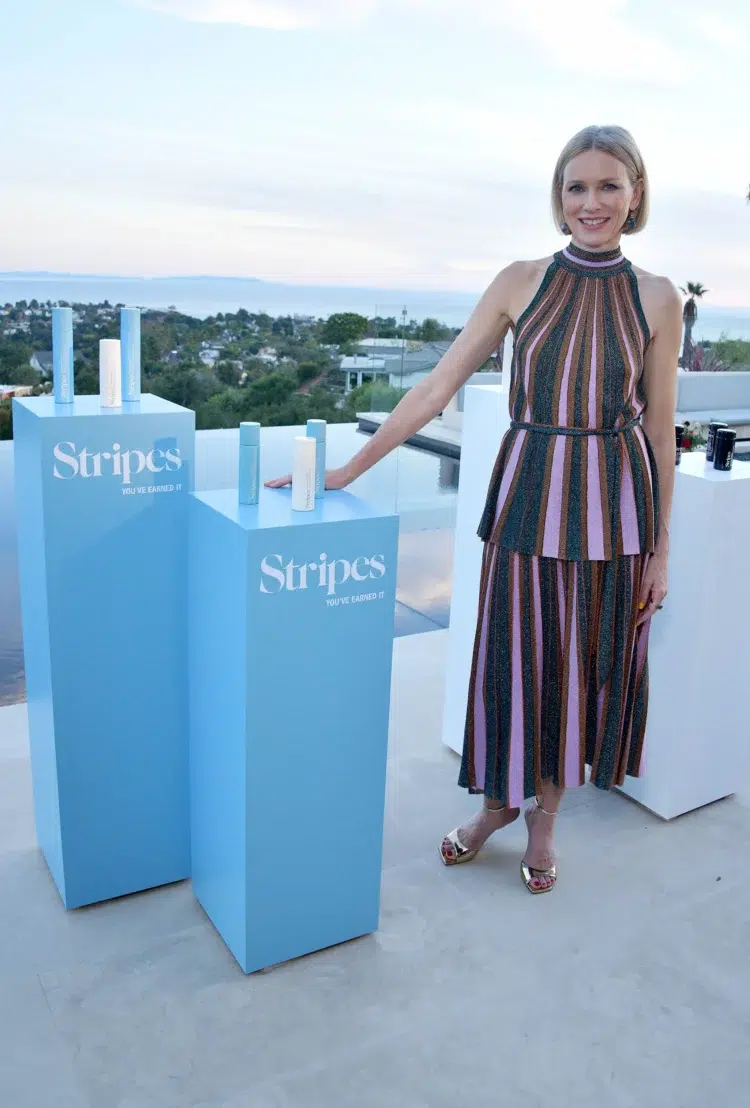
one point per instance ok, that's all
(350, 367)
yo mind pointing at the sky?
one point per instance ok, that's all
(388, 143)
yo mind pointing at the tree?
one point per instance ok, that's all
(384, 327)
(433, 331)
(343, 328)
(274, 388)
(13, 355)
(85, 378)
(693, 291)
(734, 353)
(227, 371)
(283, 325)
(183, 384)
(306, 371)
(19, 375)
(151, 353)
(373, 396)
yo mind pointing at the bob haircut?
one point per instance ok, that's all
(621, 145)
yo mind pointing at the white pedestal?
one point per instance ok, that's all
(697, 748)
(486, 419)
(699, 650)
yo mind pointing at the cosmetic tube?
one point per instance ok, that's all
(110, 391)
(130, 343)
(713, 427)
(62, 354)
(248, 481)
(724, 441)
(303, 474)
(316, 429)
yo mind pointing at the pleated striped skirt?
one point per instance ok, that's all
(559, 676)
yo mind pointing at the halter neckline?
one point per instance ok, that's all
(592, 262)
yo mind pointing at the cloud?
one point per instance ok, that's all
(624, 49)
(272, 15)
(717, 31)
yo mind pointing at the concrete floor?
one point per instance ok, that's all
(628, 986)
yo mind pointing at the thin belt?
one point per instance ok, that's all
(604, 662)
(543, 429)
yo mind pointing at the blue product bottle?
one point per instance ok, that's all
(130, 344)
(316, 429)
(62, 354)
(249, 473)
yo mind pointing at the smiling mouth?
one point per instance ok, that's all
(594, 222)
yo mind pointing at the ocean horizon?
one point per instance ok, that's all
(202, 296)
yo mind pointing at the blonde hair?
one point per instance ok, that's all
(621, 145)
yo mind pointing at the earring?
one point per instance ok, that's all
(565, 229)
(630, 223)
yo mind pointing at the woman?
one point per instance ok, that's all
(575, 526)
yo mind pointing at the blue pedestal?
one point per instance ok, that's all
(289, 673)
(102, 499)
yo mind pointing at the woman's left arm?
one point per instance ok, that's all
(660, 385)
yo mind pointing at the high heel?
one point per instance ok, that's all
(452, 850)
(531, 876)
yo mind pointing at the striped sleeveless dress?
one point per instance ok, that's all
(559, 676)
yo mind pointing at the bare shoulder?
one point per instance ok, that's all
(521, 272)
(511, 290)
(662, 304)
(535, 268)
(659, 290)
(524, 279)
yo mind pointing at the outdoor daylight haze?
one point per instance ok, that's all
(374, 545)
(390, 143)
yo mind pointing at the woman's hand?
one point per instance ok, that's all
(654, 587)
(335, 479)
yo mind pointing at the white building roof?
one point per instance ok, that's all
(363, 364)
(395, 343)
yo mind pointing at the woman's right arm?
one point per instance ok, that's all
(482, 334)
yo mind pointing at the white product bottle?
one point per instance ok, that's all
(303, 474)
(110, 373)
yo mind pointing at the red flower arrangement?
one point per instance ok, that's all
(693, 436)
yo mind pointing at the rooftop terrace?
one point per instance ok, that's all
(626, 987)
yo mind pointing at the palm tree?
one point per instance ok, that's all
(689, 315)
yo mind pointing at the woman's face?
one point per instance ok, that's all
(597, 198)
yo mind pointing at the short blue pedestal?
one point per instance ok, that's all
(289, 672)
(102, 499)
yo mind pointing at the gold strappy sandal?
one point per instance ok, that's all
(531, 876)
(452, 850)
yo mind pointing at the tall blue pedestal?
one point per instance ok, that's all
(290, 643)
(102, 500)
